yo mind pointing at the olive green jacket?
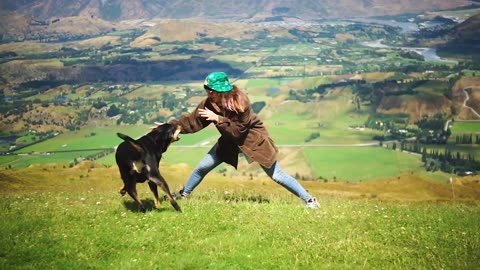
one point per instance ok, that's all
(243, 132)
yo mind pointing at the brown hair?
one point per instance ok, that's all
(235, 100)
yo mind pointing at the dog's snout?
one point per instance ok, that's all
(176, 133)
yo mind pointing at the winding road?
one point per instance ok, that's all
(467, 97)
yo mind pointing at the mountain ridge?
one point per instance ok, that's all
(37, 19)
(116, 10)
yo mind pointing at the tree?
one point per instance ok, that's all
(113, 110)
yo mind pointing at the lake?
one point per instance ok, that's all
(429, 54)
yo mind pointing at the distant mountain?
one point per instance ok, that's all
(34, 19)
(465, 37)
(116, 10)
(18, 28)
(12, 25)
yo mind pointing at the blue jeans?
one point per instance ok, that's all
(210, 161)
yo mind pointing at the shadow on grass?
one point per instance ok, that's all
(148, 203)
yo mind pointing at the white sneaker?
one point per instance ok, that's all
(180, 195)
(313, 203)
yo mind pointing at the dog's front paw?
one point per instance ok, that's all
(176, 206)
(122, 191)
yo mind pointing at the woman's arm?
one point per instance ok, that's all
(192, 122)
(238, 127)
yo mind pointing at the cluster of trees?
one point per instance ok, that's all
(39, 137)
(359, 30)
(312, 137)
(94, 156)
(467, 139)
(308, 95)
(446, 161)
(449, 163)
(432, 130)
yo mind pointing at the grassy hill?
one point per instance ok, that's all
(90, 175)
(74, 218)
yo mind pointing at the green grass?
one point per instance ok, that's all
(208, 135)
(76, 141)
(360, 163)
(175, 155)
(25, 160)
(190, 149)
(105, 138)
(345, 163)
(465, 127)
(87, 138)
(307, 49)
(294, 122)
(97, 230)
(271, 83)
(288, 127)
(4, 147)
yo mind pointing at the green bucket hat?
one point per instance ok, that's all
(218, 81)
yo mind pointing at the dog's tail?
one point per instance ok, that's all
(132, 142)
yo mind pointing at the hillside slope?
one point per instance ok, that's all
(405, 188)
(464, 37)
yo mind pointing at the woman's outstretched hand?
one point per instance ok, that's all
(208, 115)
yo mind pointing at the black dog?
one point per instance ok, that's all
(138, 161)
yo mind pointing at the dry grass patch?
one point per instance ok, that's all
(377, 76)
(186, 30)
(91, 176)
(408, 188)
(96, 42)
(414, 107)
(28, 47)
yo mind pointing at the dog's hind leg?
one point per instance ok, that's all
(132, 191)
(124, 175)
(160, 181)
(122, 191)
(153, 188)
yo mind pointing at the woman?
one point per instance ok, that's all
(228, 108)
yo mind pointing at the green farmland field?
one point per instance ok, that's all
(87, 138)
(466, 127)
(361, 163)
(75, 144)
(332, 163)
(25, 160)
(293, 122)
(67, 147)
